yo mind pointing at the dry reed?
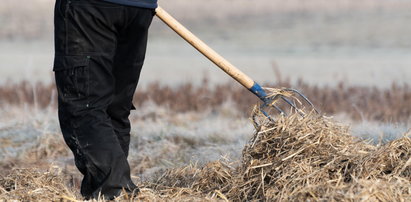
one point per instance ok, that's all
(293, 158)
(359, 103)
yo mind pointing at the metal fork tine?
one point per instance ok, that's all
(266, 114)
(289, 96)
(293, 105)
(304, 98)
(279, 109)
(282, 112)
(269, 102)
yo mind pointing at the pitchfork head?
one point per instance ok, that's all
(284, 102)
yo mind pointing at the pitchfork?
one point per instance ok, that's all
(269, 97)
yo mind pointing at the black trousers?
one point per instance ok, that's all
(99, 52)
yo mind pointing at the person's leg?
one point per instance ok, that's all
(85, 44)
(128, 61)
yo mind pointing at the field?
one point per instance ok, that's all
(195, 135)
(177, 135)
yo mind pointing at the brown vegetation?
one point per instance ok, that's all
(300, 159)
(292, 159)
(35, 185)
(367, 103)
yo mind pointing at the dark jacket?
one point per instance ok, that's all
(137, 3)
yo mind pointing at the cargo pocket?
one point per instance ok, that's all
(72, 77)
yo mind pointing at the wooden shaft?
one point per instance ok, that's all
(205, 49)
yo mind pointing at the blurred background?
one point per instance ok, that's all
(358, 42)
(352, 58)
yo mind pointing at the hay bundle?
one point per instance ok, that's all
(285, 157)
(314, 158)
(216, 175)
(390, 160)
(358, 190)
(310, 158)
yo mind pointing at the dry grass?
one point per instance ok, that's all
(26, 93)
(360, 103)
(35, 185)
(295, 158)
(48, 146)
(300, 159)
(292, 159)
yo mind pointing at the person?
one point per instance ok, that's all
(100, 48)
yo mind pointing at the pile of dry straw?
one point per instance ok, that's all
(300, 159)
(295, 158)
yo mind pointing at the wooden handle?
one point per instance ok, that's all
(205, 49)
